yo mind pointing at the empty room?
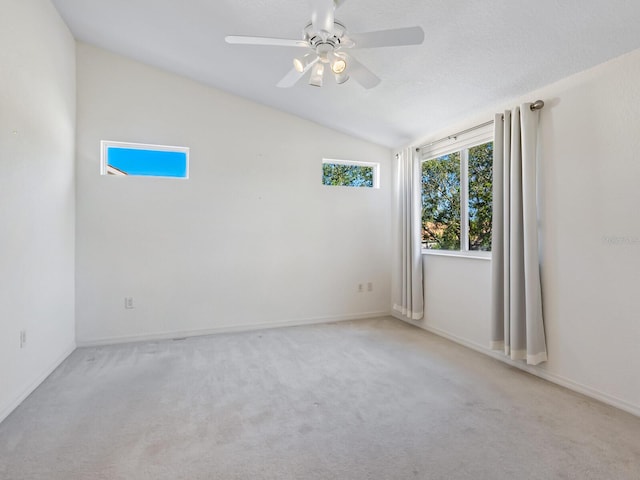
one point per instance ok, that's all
(319, 239)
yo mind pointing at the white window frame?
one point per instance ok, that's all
(106, 144)
(354, 163)
(461, 143)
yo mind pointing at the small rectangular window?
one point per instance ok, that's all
(119, 158)
(344, 173)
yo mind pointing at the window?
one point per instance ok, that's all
(441, 202)
(457, 194)
(137, 159)
(480, 176)
(344, 173)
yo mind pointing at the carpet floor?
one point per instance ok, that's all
(370, 399)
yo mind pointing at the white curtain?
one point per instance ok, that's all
(517, 323)
(407, 276)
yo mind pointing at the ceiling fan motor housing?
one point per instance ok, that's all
(322, 42)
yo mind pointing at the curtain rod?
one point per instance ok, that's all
(537, 105)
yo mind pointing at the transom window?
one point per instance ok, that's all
(457, 194)
(347, 173)
(137, 159)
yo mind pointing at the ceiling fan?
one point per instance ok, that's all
(328, 41)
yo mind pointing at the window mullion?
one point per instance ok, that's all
(464, 200)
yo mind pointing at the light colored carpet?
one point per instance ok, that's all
(372, 399)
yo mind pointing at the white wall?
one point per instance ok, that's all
(590, 233)
(458, 297)
(251, 238)
(37, 128)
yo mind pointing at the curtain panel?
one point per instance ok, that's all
(517, 321)
(408, 290)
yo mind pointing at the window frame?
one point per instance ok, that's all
(461, 143)
(355, 163)
(106, 144)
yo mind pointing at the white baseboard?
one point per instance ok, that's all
(5, 410)
(537, 371)
(226, 329)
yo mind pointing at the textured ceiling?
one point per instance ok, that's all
(475, 53)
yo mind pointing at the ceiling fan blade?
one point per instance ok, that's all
(360, 73)
(272, 42)
(294, 76)
(290, 79)
(322, 15)
(388, 38)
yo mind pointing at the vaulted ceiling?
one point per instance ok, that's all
(475, 54)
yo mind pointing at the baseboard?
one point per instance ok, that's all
(5, 410)
(227, 329)
(537, 371)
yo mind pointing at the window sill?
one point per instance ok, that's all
(453, 253)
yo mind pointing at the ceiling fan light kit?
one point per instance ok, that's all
(317, 75)
(301, 64)
(341, 78)
(338, 64)
(327, 39)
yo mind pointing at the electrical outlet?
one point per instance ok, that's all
(23, 338)
(360, 288)
(128, 303)
(370, 287)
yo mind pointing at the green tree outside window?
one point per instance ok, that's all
(441, 194)
(347, 175)
(441, 202)
(480, 196)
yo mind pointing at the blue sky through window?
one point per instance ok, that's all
(156, 163)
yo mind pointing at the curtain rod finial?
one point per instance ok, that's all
(537, 105)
